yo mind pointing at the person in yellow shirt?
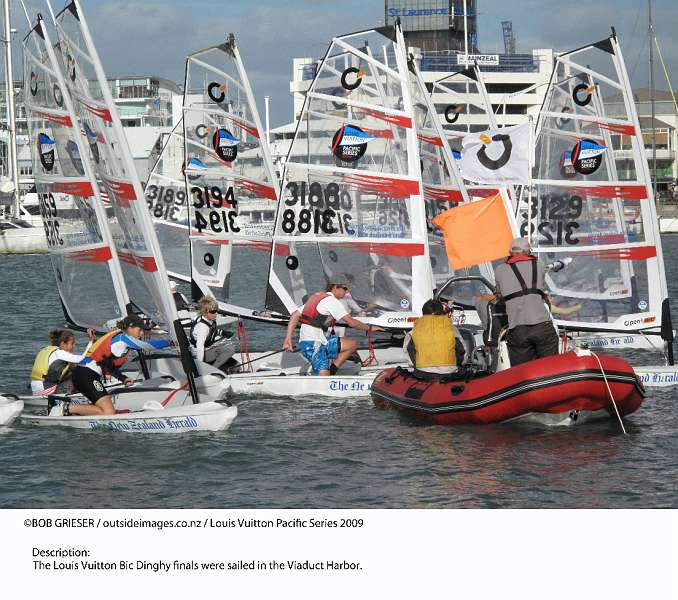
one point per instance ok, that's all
(435, 344)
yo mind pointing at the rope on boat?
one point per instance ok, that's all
(616, 410)
(371, 357)
(244, 348)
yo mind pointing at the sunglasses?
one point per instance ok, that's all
(342, 287)
(212, 312)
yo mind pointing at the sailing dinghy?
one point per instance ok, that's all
(183, 386)
(591, 206)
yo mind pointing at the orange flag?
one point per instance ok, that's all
(475, 233)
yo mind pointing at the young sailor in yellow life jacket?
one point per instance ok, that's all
(434, 342)
(104, 358)
(53, 363)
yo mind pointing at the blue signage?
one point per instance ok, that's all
(418, 12)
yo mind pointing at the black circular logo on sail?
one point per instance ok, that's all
(292, 263)
(33, 86)
(496, 163)
(74, 154)
(58, 96)
(452, 113)
(350, 83)
(587, 156)
(576, 94)
(46, 151)
(217, 92)
(225, 144)
(208, 259)
(350, 143)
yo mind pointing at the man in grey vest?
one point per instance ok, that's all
(520, 283)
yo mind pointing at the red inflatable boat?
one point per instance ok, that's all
(554, 390)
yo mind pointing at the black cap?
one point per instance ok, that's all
(132, 321)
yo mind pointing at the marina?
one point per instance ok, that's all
(433, 299)
(352, 209)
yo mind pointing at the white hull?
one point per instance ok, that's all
(29, 240)
(668, 225)
(347, 386)
(206, 416)
(607, 341)
(658, 376)
(10, 409)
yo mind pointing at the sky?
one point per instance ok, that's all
(144, 37)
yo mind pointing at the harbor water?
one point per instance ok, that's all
(322, 453)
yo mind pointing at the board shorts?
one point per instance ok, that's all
(320, 355)
(88, 383)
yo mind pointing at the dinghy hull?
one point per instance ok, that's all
(10, 408)
(566, 384)
(206, 416)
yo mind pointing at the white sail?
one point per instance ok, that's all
(350, 207)
(591, 181)
(167, 201)
(138, 249)
(230, 180)
(85, 263)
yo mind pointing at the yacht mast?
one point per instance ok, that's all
(652, 102)
(11, 117)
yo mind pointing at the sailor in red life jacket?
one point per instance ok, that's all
(317, 317)
(104, 358)
(520, 283)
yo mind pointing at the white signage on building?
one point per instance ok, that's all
(483, 60)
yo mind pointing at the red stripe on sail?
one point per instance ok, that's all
(62, 120)
(387, 186)
(385, 249)
(261, 190)
(442, 194)
(102, 254)
(623, 129)
(482, 192)
(394, 119)
(429, 139)
(248, 128)
(379, 133)
(622, 192)
(74, 188)
(122, 192)
(635, 253)
(102, 113)
(147, 263)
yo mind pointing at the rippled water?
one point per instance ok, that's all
(309, 453)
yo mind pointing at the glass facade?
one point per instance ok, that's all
(434, 25)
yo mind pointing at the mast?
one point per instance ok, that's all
(652, 99)
(11, 116)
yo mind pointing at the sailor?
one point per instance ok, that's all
(208, 343)
(104, 358)
(180, 301)
(435, 345)
(318, 316)
(53, 363)
(520, 284)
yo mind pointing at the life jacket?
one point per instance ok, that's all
(57, 372)
(41, 363)
(311, 316)
(212, 335)
(100, 352)
(524, 291)
(434, 343)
